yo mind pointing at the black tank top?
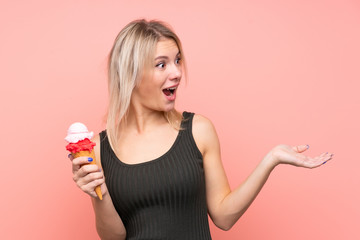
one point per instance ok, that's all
(163, 198)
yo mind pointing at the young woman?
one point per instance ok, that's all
(160, 171)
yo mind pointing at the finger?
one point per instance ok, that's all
(93, 194)
(85, 170)
(89, 178)
(103, 188)
(327, 157)
(324, 157)
(300, 148)
(78, 162)
(318, 161)
(90, 187)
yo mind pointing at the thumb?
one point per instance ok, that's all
(301, 148)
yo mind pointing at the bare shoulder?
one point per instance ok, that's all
(202, 124)
(96, 140)
(204, 133)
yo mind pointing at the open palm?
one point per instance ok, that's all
(285, 154)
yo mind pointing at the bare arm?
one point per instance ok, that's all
(225, 207)
(108, 223)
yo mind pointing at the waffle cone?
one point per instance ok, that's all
(92, 155)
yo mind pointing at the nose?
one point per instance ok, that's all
(175, 72)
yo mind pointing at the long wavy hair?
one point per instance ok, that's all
(131, 55)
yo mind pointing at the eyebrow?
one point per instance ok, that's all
(166, 57)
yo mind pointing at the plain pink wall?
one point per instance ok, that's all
(265, 72)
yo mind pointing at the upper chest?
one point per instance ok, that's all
(134, 148)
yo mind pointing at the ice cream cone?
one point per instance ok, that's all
(92, 155)
(80, 145)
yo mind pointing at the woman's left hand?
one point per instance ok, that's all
(284, 154)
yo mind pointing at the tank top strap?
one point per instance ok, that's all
(103, 139)
(186, 128)
(102, 134)
(186, 123)
(104, 150)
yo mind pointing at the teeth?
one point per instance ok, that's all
(173, 88)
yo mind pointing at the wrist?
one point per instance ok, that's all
(270, 160)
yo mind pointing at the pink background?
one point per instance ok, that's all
(265, 72)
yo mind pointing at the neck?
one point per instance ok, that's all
(142, 120)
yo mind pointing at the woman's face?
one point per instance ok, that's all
(157, 89)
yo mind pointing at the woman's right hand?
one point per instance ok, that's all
(87, 176)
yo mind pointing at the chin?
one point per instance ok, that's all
(169, 108)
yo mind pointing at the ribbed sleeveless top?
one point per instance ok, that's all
(163, 198)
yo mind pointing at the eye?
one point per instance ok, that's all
(177, 61)
(160, 65)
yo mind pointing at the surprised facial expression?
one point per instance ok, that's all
(157, 89)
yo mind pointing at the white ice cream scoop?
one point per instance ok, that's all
(77, 132)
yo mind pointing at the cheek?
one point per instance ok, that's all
(149, 91)
(153, 86)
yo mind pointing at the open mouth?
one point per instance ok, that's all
(169, 91)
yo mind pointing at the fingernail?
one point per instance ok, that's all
(69, 155)
(100, 170)
(90, 159)
(307, 146)
(324, 163)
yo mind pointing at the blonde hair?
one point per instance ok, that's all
(133, 53)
